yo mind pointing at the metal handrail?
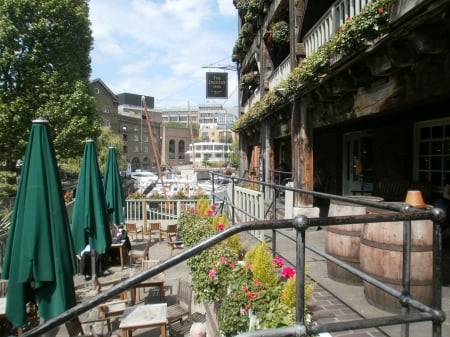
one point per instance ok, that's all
(300, 224)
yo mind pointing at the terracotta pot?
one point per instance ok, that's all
(415, 199)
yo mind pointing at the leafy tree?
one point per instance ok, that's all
(106, 139)
(44, 72)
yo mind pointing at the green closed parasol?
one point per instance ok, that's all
(39, 258)
(90, 224)
(115, 200)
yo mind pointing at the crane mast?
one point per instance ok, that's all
(152, 140)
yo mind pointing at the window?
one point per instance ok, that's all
(106, 123)
(171, 149)
(136, 148)
(432, 152)
(136, 138)
(125, 149)
(181, 149)
(125, 137)
(106, 109)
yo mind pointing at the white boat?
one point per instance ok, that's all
(142, 179)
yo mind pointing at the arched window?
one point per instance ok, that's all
(181, 149)
(171, 149)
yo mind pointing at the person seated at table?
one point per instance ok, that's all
(85, 263)
(198, 330)
(122, 236)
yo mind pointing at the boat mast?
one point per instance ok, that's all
(152, 140)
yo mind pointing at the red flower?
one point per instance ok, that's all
(232, 264)
(251, 295)
(220, 227)
(210, 212)
(192, 211)
(256, 282)
(223, 259)
(288, 272)
(244, 288)
(278, 262)
(380, 10)
(348, 18)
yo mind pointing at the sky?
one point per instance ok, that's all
(159, 48)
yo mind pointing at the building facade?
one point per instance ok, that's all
(356, 89)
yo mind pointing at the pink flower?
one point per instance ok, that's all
(244, 288)
(220, 227)
(256, 282)
(248, 265)
(348, 18)
(222, 259)
(242, 311)
(288, 272)
(278, 262)
(380, 10)
(251, 295)
(210, 212)
(212, 273)
(232, 264)
(192, 211)
(213, 207)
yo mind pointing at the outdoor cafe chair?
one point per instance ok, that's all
(174, 243)
(3, 287)
(170, 231)
(135, 255)
(131, 227)
(155, 228)
(182, 307)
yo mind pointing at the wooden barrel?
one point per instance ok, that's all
(342, 241)
(381, 256)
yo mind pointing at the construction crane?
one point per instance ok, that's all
(231, 67)
(154, 148)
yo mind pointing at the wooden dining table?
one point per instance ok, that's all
(144, 316)
(156, 281)
(122, 251)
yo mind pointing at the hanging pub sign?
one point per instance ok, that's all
(217, 85)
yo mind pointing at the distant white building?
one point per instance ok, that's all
(214, 152)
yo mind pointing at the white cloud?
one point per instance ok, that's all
(158, 47)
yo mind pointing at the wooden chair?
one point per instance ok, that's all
(182, 307)
(170, 231)
(135, 255)
(3, 288)
(106, 284)
(132, 228)
(112, 308)
(155, 228)
(175, 244)
(75, 327)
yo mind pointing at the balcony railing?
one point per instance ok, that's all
(280, 73)
(327, 25)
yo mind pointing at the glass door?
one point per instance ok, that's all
(358, 164)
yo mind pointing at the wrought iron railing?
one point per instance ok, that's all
(387, 212)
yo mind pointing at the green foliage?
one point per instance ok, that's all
(106, 139)
(260, 259)
(8, 184)
(45, 67)
(352, 37)
(279, 32)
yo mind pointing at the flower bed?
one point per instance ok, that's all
(256, 292)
